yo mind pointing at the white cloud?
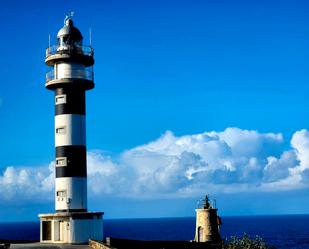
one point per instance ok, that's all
(27, 183)
(300, 141)
(103, 174)
(230, 161)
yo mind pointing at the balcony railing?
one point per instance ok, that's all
(69, 49)
(86, 74)
(202, 203)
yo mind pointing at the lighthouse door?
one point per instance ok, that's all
(56, 230)
(200, 234)
(46, 233)
(61, 226)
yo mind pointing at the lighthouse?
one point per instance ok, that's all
(71, 75)
(207, 222)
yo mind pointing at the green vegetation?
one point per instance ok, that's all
(246, 243)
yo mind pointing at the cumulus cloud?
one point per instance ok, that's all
(234, 160)
(27, 183)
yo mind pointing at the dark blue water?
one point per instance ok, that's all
(289, 231)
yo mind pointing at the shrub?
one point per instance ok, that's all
(246, 243)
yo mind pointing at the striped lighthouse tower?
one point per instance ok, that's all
(70, 78)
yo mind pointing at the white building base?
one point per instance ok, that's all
(73, 228)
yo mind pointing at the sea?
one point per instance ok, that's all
(286, 231)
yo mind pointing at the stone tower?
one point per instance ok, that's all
(207, 223)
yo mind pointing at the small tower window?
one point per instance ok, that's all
(60, 130)
(60, 99)
(61, 193)
(61, 161)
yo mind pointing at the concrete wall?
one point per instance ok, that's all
(69, 70)
(98, 245)
(76, 193)
(64, 229)
(83, 230)
(75, 129)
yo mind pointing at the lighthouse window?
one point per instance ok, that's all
(61, 193)
(60, 130)
(60, 99)
(61, 161)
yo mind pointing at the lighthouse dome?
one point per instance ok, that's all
(69, 32)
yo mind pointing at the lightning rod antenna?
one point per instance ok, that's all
(68, 16)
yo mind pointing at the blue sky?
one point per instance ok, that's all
(165, 72)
